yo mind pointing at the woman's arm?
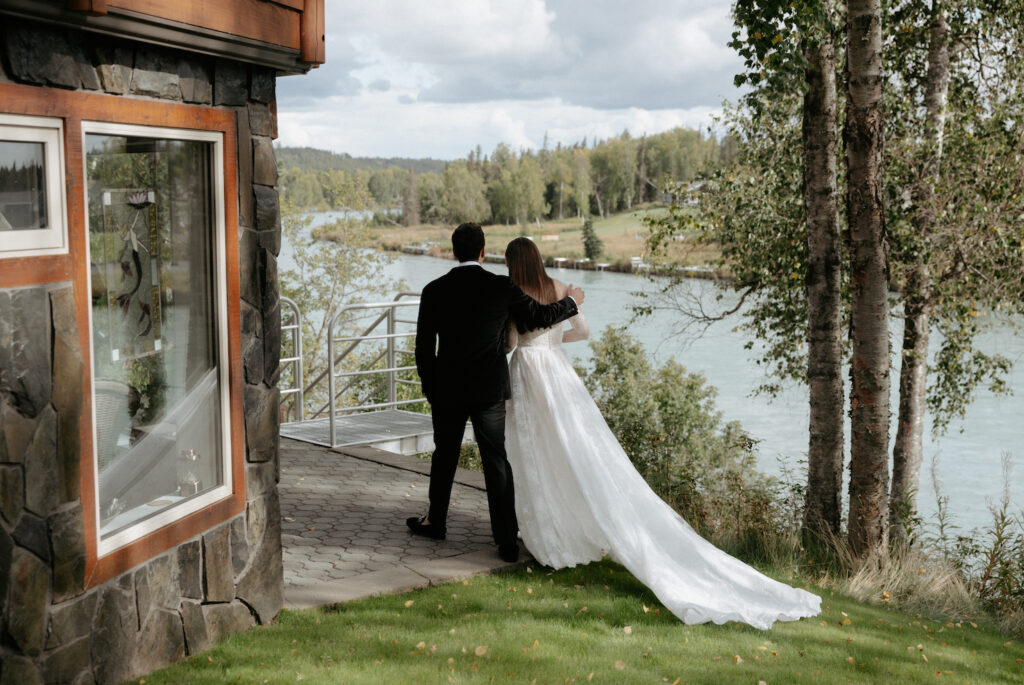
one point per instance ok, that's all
(579, 331)
(511, 337)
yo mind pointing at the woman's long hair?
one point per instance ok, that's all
(526, 269)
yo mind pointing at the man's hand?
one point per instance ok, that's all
(576, 294)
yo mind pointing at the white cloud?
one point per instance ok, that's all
(413, 78)
(376, 125)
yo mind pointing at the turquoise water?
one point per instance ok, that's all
(969, 458)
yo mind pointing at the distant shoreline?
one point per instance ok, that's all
(568, 263)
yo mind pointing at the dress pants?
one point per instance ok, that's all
(449, 422)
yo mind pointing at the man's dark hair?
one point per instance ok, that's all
(468, 241)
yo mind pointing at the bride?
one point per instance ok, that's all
(579, 498)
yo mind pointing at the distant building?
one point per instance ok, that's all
(139, 327)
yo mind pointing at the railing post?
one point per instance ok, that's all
(392, 392)
(295, 360)
(300, 404)
(330, 377)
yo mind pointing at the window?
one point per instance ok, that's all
(31, 186)
(158, 326)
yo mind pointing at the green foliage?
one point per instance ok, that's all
(991, 560)
(510, 187)
(324, 160)
(752, 208)
(592, 245)
(464, 196)
(752, 211)
(971, 257)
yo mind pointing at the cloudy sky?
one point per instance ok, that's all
(415, 78)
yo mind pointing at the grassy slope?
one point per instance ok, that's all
(571, 626)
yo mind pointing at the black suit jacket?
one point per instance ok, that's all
(460, 334)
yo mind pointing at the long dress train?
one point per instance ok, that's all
(578, 498)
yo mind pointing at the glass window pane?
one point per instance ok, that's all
(22, 186)
(155, 354)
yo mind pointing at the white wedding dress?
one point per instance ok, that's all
(578, 498)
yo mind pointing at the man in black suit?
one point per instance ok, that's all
(460, 356)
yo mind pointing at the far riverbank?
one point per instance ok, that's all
(623, 237)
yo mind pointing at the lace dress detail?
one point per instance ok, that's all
(579, 498)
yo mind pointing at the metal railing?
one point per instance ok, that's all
(389, 355)
(294, 329)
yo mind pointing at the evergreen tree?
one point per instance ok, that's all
(592, 245)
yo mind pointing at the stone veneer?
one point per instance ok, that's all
(52, 628)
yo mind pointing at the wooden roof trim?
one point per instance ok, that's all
(169, 33)
(258, 20)
(311, 30)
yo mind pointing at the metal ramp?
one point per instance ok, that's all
(393, 430)
(358, 421)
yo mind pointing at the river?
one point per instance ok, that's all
(968, 458)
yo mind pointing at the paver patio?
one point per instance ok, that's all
(343, 527)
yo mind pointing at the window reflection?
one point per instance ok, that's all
(22, 186)
(154, 328)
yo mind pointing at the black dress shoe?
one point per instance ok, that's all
(509, 553)
(429, 530)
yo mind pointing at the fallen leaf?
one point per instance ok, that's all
(847, 622)
(421, 645)
(590, 676)
(850, 660)
(409, 603)
(481, 650)
(620, 665)
(628, 630)
(925, 657)
(737, 659)
(762, 648)
(824, 624)
(646, 608)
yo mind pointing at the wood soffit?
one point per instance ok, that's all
(286, 35)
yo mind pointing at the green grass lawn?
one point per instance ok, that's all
(593, 624)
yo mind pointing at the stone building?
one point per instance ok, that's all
(139, 327)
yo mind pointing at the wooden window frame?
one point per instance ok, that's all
(74, 107)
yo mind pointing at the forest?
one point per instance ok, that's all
(508, 186)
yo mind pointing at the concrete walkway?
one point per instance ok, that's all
(343, 526)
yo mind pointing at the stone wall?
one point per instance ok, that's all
(52, 628)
